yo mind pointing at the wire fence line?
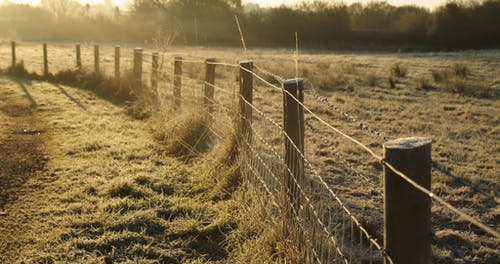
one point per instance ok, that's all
(316, 219)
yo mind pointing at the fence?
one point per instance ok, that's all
(274, 126)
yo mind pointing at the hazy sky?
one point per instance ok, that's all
(426, 3)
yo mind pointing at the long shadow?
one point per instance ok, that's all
(21, 83)
(74, 100)
(475, 186)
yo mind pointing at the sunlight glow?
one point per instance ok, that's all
(92, 2)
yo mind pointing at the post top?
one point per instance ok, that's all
(138, 49)
(246, 64)
(178, 58)
(294, 81)
(407, 143)
(210, 60)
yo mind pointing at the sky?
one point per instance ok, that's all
(426, 3)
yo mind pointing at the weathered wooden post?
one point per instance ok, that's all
(177, 81)
(96, 59)
(45, 61)
(78, 57)
(407, 211)
(293, 118)
(117, 62)
(155, 67)
(246, 98)
(13, 45)
(138, 68)
(209, 84)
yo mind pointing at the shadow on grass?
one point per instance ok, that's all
(21, 82)
(71, 98)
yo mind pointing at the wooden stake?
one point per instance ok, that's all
(96, 59)
(45, 61)
(407, 211)
(117, 62)
(209, 82)
(246, 98)
(294, 145)
(177, 82)
(78, 57)
(138, 68)
(13, 44)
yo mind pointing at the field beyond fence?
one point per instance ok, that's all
(336, 198)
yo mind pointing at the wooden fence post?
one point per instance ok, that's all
(209, 82)
(96, 59)
(246, 98)
(155, 65)
(177, 81)
(13, 44)
(155, 68)
(407, 211)
(138, 68)
(117, 62)
(293, 119)
(78, 57)
(45, 61)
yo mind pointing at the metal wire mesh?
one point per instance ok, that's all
(317, 217)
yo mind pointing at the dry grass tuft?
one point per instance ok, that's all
(371, 80)
(454, 80)
(424, 84)
(392, 82)
(185, 135)
(125, 189)
(399, 70)
(460, 70)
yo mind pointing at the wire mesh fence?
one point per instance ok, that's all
(308, 192)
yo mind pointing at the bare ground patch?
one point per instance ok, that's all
(20, 149)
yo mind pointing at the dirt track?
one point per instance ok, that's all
(21, 142)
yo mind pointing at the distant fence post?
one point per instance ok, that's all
(78, 57)
(117, 62)
(293, 119)
(96, 59)
(407, 214)
(155, 67)
(13, 45)
(209, 82)
(246, 98)
(45, 61)
(177, 81)
(138, 68)
(154, 71)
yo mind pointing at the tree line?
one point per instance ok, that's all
(319, 24)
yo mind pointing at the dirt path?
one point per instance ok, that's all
(21, 148)
(23, 139)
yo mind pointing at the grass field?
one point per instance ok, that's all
(105, 188)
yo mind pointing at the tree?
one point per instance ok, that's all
(61, 8)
